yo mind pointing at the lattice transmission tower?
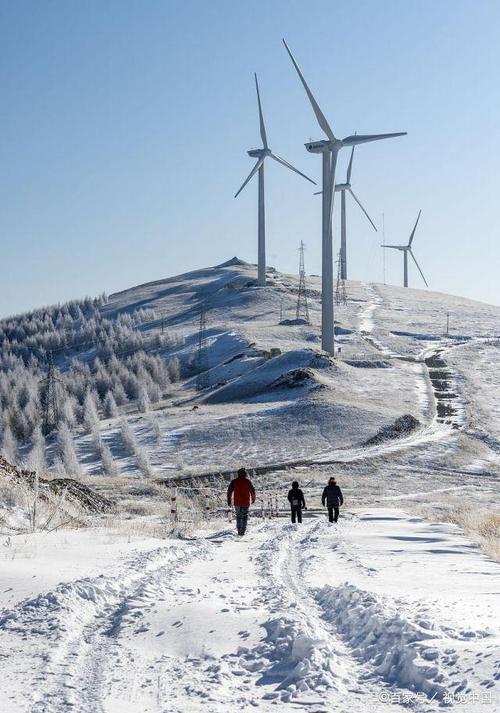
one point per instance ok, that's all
(302, 311)
(49, 400)
(340, 290)
(202, 380)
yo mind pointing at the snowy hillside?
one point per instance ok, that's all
(395, 608)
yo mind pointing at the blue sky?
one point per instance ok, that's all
(125, 125)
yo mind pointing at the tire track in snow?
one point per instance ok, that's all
(309, 662)
(79, 620)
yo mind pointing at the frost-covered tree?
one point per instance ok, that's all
(69, 411)
(110, 408)
(174, 370)
(128, 437)
(66, 450)
(118, 392)
(154, 427)
(109, 464)
(9, 444)
(36, 459)
(155, 393)
(143, 462)
(90, 414)
(143, 402)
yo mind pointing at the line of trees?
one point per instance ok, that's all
(102, 365)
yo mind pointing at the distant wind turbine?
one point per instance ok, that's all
(342, 188)
(261, 155)
(405, 249)
(329, 148)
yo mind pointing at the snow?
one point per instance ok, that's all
(392, 609)
(315, 615)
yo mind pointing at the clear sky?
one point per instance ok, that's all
(124, 127)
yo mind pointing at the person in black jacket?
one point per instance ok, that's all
(332, 497)
(297, 502)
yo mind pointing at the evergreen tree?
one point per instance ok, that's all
(90, 415)
(9, 444)
(143, 402)
(110, 408)
(36, 459)
(66, 450)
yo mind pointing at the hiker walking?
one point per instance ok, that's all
(242, 492)
(297, 502)
(332, 497)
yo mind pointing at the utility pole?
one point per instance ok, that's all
(202, 380)
(447, 323)
(302, 311)
(281, 310)
(50, 406)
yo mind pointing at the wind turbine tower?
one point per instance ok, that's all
(405, 249)
(329, 149)
(261, 155)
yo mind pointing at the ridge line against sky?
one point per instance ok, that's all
(125, 127)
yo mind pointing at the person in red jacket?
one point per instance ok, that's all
(242, 492)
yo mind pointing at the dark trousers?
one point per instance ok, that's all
(296, 513)
(241, 519)
(333, 513)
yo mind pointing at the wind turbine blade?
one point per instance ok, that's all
(396, 247)
(413, 231)
(251, 174)
(365, 138)
(319, 114)
(420, 271)
(362, 208)
(261, 118)
(349, 168)
(292, 168)
(317, 193)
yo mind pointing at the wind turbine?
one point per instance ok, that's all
(329, 148)
(261, 155)
(344, 188)
(405, 249)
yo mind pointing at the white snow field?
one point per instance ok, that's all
(384, 611)
(394, 608)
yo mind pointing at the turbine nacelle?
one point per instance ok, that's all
(342, 187)
(323, 145)
(259, 153)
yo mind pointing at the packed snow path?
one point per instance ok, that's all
(381, 612)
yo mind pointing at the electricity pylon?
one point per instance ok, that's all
(50, 406)
(302, 311)
(340, 291)
(202, 380)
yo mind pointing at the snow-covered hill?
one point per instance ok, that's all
(301, 407)
(395, 608)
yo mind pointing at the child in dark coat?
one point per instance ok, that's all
(297, 502)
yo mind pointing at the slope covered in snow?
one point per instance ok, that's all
(321, 617)
(395, 608)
